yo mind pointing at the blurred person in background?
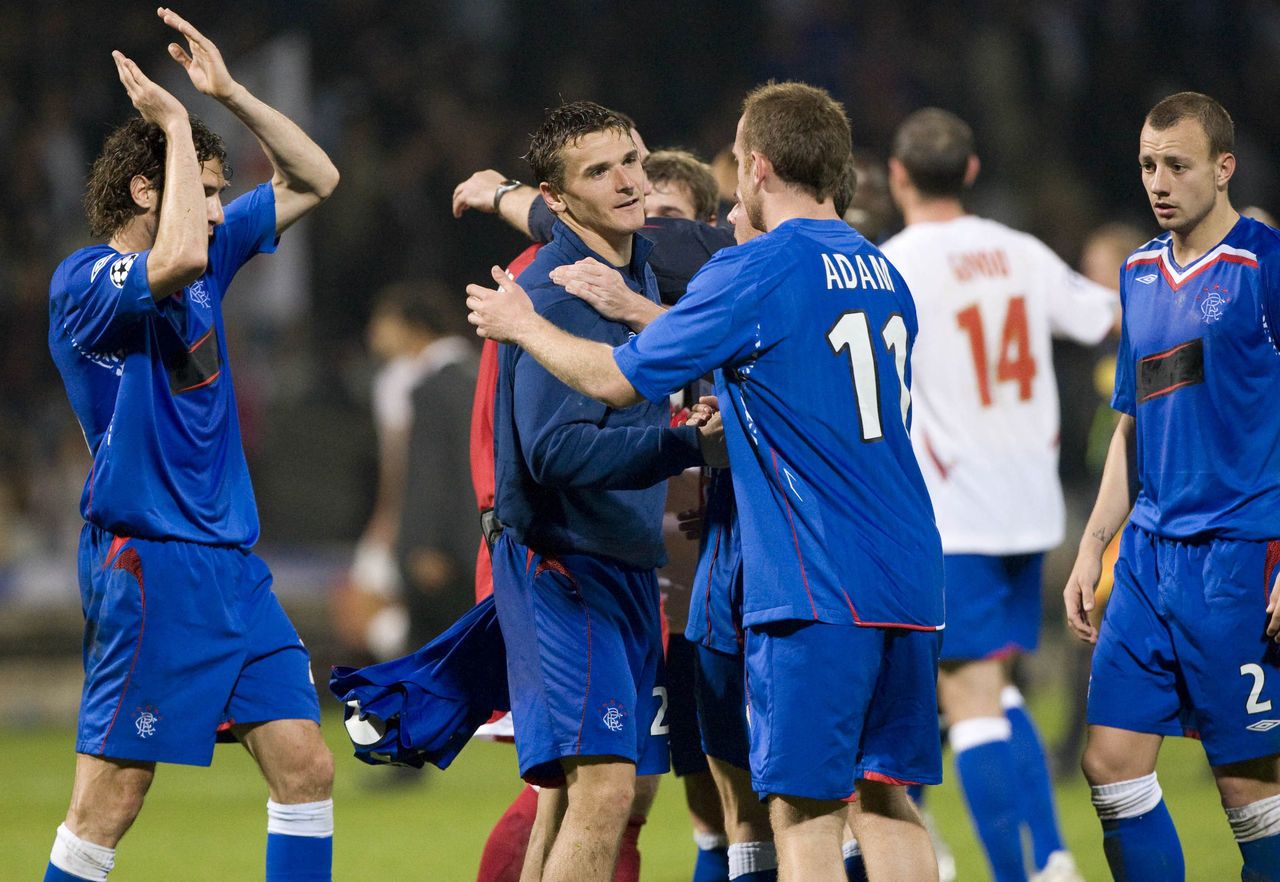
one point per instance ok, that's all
(1189, 640)
(184, 638)
(1102, 256)
(990, 300)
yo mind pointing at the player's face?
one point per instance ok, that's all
(1182, 179)
(670, 199)
(742, 230)
(214, 183)
(748, 195)
(604, 184)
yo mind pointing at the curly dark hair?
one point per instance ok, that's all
(137, 148)
(566, 125)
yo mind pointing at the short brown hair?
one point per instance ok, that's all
(1211, 115)
(566, 125)
(682, 167)
(803, 131)
(934, 146)
(137, 148)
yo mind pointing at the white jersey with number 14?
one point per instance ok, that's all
(985, 428)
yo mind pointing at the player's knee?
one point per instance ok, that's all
(606, 794)
(1102, 765)
(307, 778)
(102, 814)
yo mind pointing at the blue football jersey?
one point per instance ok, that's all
(1198, 369)
(150, 384)
(813, 327)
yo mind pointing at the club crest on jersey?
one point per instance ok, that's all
(1212, 301)
(120, 270)
(613, 715)
(1147, 279)
(145, 720)
(198, 293)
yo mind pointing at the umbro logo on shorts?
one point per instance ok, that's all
(1263, 725)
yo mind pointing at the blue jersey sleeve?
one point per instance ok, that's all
(716, 324)
(248, 228)
(103, 295)
(1123, 396)
(563, 436)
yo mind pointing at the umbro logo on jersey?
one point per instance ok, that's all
(93, 273)
(1263, 725)
(120, 269)
(1147, 279)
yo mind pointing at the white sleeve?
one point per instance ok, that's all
(1079, 309)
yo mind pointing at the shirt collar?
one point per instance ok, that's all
(572, 243)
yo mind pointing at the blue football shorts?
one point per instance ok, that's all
(584, 660)
(833, 704)
(180, 639)
(685, 737)
(722, 706)
(993, 605)
(1183, 646)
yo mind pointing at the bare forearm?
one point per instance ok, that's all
(584, 365)
(181, 248)
(513, 207)
(1115, 493)
(299, 163)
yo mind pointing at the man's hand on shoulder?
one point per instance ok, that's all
(602, 288)
(500, 313)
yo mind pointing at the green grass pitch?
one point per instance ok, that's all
(209, 825)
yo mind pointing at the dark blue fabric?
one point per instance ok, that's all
(427, 705)
(574, 476)
(1145, 848)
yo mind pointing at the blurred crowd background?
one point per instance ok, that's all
(411, 98)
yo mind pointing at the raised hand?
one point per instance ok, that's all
(499, 313)
(202, 60)
(151, 101)
(477, 192)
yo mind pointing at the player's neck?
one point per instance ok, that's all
(923, 211)
(613, 247)
(1196, 242)
(787, 205)
(133, 236)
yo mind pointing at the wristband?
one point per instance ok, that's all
(503, 189)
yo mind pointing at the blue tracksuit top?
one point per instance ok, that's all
(573, 475)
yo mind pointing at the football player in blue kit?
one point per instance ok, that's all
(1188, 641)
(842, 564)
(183, 635)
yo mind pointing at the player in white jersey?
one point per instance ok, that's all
(990, 299)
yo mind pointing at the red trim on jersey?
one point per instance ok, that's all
(1167, 352)
(1167, 389)
(886, 779)
(129, 560)
(117, 542)
(794, 538)
(1269, 568)
(943, 469)
(482, 468)
(1161, 262)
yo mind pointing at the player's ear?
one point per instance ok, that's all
(761, 166)
(143, 192)
(971, 169)
(1226, 168)
(553, 198)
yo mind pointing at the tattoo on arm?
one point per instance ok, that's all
(1103, 535)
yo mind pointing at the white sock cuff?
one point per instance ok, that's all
(311, 819)
(73, 855)
(710, 841)
(1257, 820)
(1011, 696)
(751, 857)
(978, 731)
(1127, 799)
(850, 849)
